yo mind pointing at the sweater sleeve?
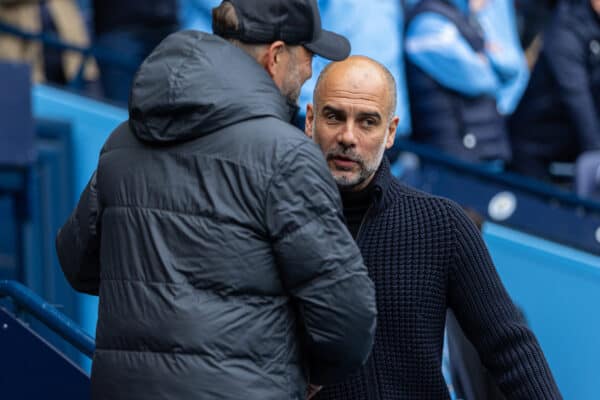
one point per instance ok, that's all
(487, 315)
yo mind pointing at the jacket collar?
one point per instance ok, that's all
(293, 110)
(381, 183)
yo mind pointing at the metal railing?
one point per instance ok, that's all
(51, 40)
(28, 301)
(529, 185)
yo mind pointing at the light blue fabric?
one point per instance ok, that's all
(501, 71)
(446, 370)
(498, 21)
(196, 14)
(375, 29)
(435, 45)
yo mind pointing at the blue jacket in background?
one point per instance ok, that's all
(559, 115)
(197, 14)
(453, 83)
(498, 23)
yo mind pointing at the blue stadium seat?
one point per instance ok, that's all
(587, 175)
(17, 128)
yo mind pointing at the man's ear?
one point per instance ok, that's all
(274, 62)
(392, 127)
(309, 121)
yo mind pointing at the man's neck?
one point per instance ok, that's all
(356, 205)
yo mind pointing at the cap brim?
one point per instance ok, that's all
(331, 46)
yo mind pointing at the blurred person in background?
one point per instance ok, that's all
(498, 22)
(212, 230)
(61, 18)
(532, 16)
(423, 253)
(129, 29)
(464, 73)
(558, 117)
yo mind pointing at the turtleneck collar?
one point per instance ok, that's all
(375, 191)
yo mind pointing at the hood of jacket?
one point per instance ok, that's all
(195, 83)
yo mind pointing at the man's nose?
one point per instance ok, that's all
(347, 136)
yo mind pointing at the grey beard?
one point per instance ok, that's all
(345, 184)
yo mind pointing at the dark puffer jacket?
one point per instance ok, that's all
(213, 233)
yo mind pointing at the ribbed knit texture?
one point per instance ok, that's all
(424, 256)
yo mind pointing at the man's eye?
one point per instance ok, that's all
(369, 122)
(331, 117)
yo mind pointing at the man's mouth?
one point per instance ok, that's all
(344, 162)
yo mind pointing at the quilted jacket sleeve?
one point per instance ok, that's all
(320, 265)
(78, 242)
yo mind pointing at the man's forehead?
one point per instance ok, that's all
(354, 84)
(355, 98)
(354, 77)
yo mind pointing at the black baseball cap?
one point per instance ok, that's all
(295, 22)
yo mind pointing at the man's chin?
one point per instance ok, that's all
(345, 182)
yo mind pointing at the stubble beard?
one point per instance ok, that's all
(366, 168)
(292, 86)
(292, 95)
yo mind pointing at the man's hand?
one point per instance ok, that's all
(312, 391)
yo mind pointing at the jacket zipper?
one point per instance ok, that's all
(362, 223)
(372, 385)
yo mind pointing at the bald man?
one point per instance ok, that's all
(423, 254)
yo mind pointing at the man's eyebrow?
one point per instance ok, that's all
(370, 114)
(332, 110)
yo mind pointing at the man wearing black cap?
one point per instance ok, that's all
(294, 34)
(212, 230)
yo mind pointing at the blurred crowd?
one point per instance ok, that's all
(510, 85)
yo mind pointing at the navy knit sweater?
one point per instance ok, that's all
(424, 256)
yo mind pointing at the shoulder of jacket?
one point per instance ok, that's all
(270, 128)
(121, 136)
(284, 136)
